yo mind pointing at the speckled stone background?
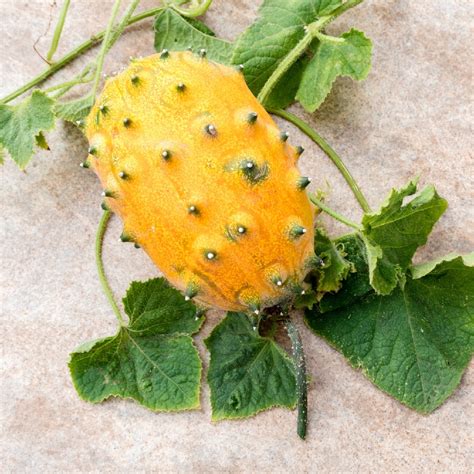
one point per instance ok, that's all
(412, 116)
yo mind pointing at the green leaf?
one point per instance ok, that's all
(175, 33)
(357, 282)
(152, 359)
(284, 92)
(247, 373)
(74, 110)
(2, 155)
(415, 343)
(21, 124)
(393, 234)
(334, 267)
(277, 30)
(348, 55)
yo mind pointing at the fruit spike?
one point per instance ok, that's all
(284, 136)
(303, 182)
(297, 231)
(164, 54)
(108, 193)
(125, 237)
(104, 110)
(127, 122)
(238, 176)
(202, 53)
(135, 80)
(166, 155)
(181, 87)
(252, 118)
(92, 150)
(85, 164)
(123, 175)
(104, 206)
(192, 209)
(211, 130)
(191, 291)
(299, 150)
(210, 255)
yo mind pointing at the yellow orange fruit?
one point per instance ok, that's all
(203, 180)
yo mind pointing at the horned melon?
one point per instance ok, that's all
(203, 180)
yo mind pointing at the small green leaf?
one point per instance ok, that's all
(175, 33)
(277, 30)
(21, 124)
(74, 110)
(392, 234)
(334, 267)
(152, 359)
(357, 282)
(348, 55)
(415, 343)
(247, 373)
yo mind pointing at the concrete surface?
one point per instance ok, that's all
(411, 117)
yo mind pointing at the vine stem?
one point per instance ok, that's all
(329, 151)
(311, 32)
(103, 49)
(99, 241)
(58, 30)
(334, 214)
(301, 380)
(66, 59)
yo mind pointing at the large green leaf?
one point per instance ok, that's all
(393, 234)
(278, 29)
(21, 124)
(152, 359)
(415, 343)
(348, 55)
(247, 373)
(175, 33)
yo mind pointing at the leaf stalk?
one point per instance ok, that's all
(329, 151)
(99, 241)
(317, 202)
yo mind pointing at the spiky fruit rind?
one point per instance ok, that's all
(210, 195)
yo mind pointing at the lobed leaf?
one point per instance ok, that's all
(348, 55)
(277, 30)
(21, 126)
(247, 373)
(152, 360)
(334, 267)
(415, 343)
(393, 234)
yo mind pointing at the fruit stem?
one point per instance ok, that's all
(332, 155)
(334, 214)
(301, 380)
(66, 59)
(58, 30)
(99, 240)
